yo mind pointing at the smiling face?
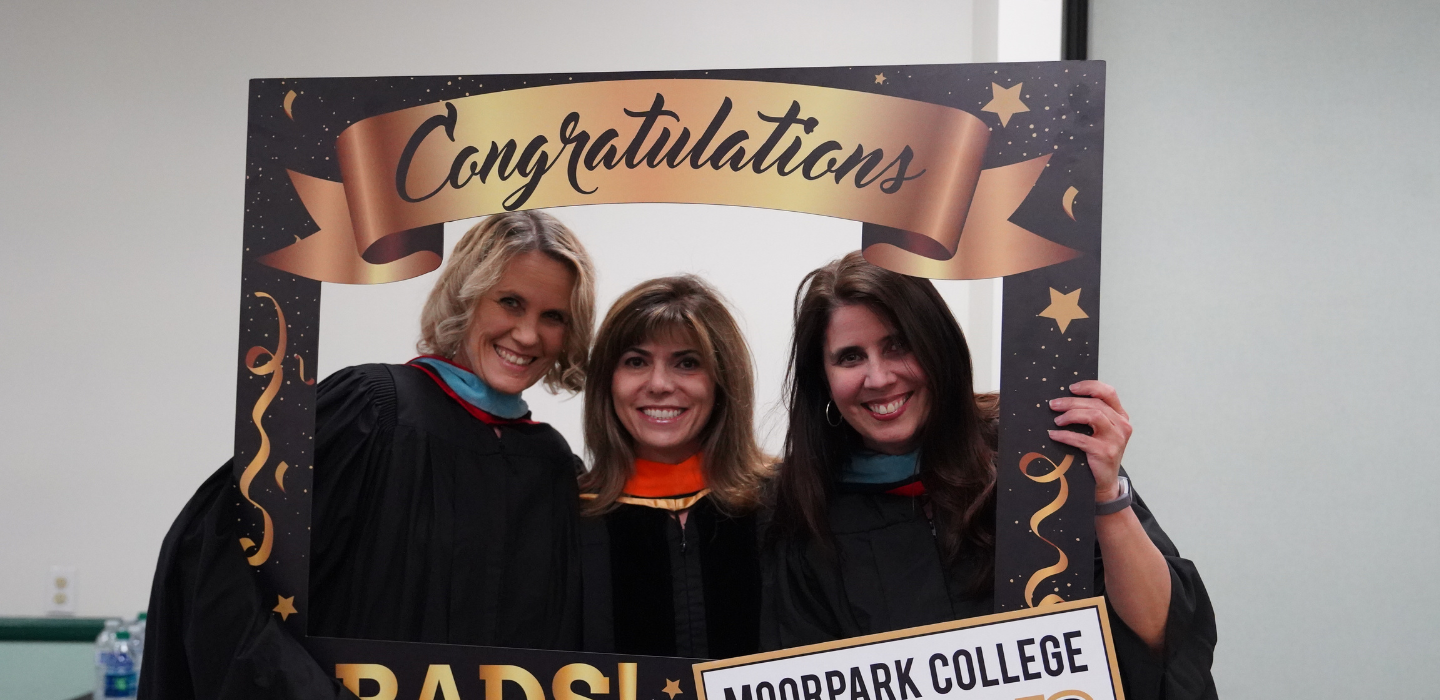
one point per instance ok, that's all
(664, 395)
(518, 327)
(874, 379)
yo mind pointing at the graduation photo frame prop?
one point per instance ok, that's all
(955, 171)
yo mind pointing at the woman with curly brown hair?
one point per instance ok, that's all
(671, 561)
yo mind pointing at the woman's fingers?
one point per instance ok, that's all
(1098, 419)
(1101, 454)
(1119, 420)
(1103, 457)
(1107, 444)
(1105, 470)
(1097, 405)
(1099, 390)
(1067, 403)
(1082, 441)
(1104, 448)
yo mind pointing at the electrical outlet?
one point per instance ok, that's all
(61, 597)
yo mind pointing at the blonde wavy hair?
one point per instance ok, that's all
(476, 265)
(735, 468)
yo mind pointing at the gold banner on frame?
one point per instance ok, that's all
(913, 170)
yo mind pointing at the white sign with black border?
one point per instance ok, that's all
(1057, 652)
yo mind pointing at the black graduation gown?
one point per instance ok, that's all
(886, 573)
(654, 588)
(426, 527)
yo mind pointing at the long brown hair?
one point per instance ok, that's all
(957, 441)
(733, 464)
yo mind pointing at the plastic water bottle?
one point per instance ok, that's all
(120, 671)
(104, 647)
(137, 638)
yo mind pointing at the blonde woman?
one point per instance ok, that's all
(441, 512)
(671, 558)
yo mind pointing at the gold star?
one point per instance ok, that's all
(1064, 308)
(286, 607)
(672, 688)
(1005, 102)
(879, 78)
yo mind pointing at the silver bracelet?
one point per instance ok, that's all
(1119, 504)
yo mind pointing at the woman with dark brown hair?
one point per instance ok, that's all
(885, 498)
(669, 548)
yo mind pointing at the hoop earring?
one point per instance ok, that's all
(839, 419)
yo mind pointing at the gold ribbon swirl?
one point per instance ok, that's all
(274, 367)
(1057, 473)
(301, 372)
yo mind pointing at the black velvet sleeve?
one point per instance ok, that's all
(1182, 670)
(797, 603)
(207, 634)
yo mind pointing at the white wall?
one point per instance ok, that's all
(122, 131)
(1027, 30)
(1271, 209)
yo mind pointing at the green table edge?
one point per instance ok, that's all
(50, 629)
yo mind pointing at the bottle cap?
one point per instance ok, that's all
(122, 634)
